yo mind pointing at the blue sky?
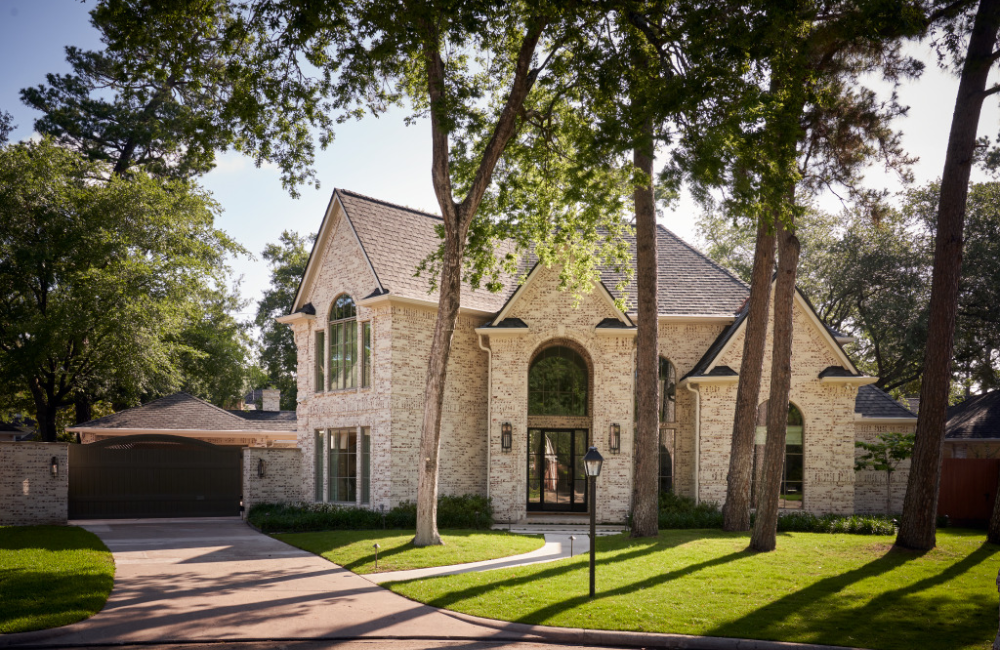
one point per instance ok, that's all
(379, 157)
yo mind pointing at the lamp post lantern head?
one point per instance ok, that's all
(592, 462)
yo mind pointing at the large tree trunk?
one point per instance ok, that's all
(45, 411)
(83, 408)
(437, 370)
(646, 490)
(736, 512)
(765, 527)
(457, 218)
(917, 529)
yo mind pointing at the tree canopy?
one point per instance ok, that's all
(97, 277)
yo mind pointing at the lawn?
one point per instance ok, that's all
(352, 549)
(848, 590)
(51, 576)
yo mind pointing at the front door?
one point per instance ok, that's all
(556, 481)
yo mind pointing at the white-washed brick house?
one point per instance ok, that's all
(558, 375)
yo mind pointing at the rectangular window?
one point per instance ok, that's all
(320, 357)
(318, 447)
(366, 354)
(366, 464)
(343, 353)
(666, 477)
(343, 465)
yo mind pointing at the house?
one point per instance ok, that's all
(185, 415)
(535, 379)
(972, 429)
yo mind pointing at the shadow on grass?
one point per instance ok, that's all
(900, 617)
(49, 538)
(372, 536)
(37, 600)
(636, 548)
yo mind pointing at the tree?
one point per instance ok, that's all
(820, 127)
(884, 455)
(154, 109)
(917, 530)
(95, 277)
(287, 260)
(216, 359)
(6, 126)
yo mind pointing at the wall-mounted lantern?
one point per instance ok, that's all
(506, 437)
(54, 466)
(615, 439)
(261, 468)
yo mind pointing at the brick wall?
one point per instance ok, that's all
(29, 494)
(869, 485)
(281, 482)
(827, 410)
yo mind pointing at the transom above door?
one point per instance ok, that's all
(556, 480)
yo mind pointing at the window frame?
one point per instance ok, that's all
(794, 421)
(342, 328)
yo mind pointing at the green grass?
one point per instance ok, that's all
(816, 588)
(352, 549)
(51, 576)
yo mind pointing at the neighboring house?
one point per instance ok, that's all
(17, 430)
(972, 429)
(536, 376)
(182, 414)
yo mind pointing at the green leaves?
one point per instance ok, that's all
(888, 450)
(97, 277)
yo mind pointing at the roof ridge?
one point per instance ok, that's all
(702, 255)
(372, 199)
(159, 399)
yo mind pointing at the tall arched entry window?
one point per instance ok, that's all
(792, 492)
(558, 385)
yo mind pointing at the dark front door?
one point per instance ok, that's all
(153, 476)
(556, 482)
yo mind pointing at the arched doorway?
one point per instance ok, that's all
(792, 493)
(558, 387)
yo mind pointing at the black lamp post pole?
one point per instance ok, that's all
(593, 531)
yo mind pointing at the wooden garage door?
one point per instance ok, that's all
(153, 476)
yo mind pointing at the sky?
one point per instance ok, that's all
(381, 157)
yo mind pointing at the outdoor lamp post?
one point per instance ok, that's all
(592, 462)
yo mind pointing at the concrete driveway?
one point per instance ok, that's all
(217, 579)
(185, 581)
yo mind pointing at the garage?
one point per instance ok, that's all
(154, 476)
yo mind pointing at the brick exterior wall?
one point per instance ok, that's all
(29, 494)
(476, 404)
(869, 485)
(282, 482)
(828, 420)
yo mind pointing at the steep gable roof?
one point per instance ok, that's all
(395, 239)
(722, 341)
(976, 418)
(185, 412)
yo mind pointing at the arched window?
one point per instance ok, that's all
(791, 494)
(557, 383)
(343, 346)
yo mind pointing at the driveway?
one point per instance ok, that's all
(209, 579)
(185, 581)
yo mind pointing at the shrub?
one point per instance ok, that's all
(469, 511)
(682, 512)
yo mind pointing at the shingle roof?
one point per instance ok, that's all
(872, 402)
(185, 412)
(396, 239)
(976, 417)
